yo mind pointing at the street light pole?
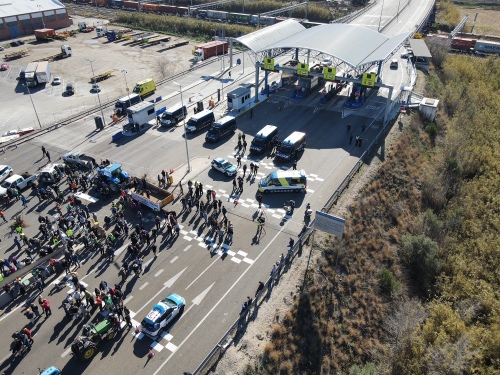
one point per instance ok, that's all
(380, 19)
(126, 86)
(29, 92)
(184, 126)
(39, 9)
(98, 96)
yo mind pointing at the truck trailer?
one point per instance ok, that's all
(206, 50)
(43, 72)
(30, 74)
(44, 34)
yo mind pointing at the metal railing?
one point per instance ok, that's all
(237, 329)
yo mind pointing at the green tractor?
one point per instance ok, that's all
(85, 346)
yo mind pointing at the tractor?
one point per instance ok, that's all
(85, 346)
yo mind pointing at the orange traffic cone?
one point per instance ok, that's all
(151, 354)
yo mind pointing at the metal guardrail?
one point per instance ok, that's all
(250, 313)
(352, 16)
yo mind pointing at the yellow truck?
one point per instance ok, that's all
(144, 88)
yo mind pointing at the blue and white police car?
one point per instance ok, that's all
(161, 314)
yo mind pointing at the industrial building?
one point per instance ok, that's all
(22, 17)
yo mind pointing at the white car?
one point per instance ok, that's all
(5, 171)
(56, 81)
(162, 314)
(326, 62)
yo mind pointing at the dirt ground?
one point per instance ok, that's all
(258, 333)
(487, 23)
(138, 61)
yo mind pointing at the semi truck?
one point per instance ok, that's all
(65, 52)
(206, 50)
(43, 72)
(101, 31)
(30, 74)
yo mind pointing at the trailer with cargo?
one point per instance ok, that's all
(102, 76)
(16, 55)
(151, 195)
(204, 51)
(43, 72)
(140, 117)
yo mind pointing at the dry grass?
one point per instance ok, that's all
(487, 23)
(338, 322)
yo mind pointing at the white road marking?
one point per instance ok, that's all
(206, 269)
(159, 273)
(187, 248)
(174, 259)
(66, 352)
(128, 299)
(144, 285)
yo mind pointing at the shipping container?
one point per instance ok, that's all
(149, 7)
(239, 18)
(264, 20)
(487, 46)
(182, 11)
(169, 9)
(115, 3)
(99, 2)
(462, 43)
(130, 4)
(44, 34)
(216, 15)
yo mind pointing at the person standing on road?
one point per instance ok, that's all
(44, 152)
(24, 200)
(17, 243)
(238, 161)
(244, 170)
(2, 214)
(48, 156)
(46, 308)
(294, 166)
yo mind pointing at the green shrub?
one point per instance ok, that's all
(388, 283)
(431, 129)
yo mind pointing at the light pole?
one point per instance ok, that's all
(126, 86)
(184, 126)
(39, 9)
(97, 89)
(29, 92)
(380, 19)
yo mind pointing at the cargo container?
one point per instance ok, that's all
(206, 50)
(44, 34)
(115, 3)
(182, 11)
(263, 20)
(30, 74)
(99, 2)
(130, 5)
(487, 46)
(43, 72)
(217, 15)
(239, 18)
(462, 43)
(149, 7)
(167, 9)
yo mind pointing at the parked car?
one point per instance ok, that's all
(161, 314)
(95, 87)
(70, 88)
(4, 66)
(5, 171)
(224, 166)
(78, 158)
(56, 81)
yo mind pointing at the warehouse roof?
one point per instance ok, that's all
(354, 45)
(9, 8)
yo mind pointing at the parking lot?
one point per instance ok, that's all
(139, 61)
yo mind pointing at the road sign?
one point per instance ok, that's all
(368, 79)
(268, 63)
(329, 224)
(329, 73)
(303, 69)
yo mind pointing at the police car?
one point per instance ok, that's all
(161, 314)
(224, 166)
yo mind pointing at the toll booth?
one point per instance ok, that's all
(239, 99)
(140, 117)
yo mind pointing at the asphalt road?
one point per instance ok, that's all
(213, 284)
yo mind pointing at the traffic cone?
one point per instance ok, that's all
(137, 329)
(151, 354)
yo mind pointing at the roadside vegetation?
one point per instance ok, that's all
(413, 287)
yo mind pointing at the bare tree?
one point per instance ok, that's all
(164, 67)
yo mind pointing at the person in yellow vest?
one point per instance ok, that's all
(69, 233)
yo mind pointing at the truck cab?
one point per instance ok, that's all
(146, 87)
(101, 31)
